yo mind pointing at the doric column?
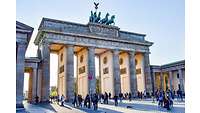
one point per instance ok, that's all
(91, 70)
(45, 72)
(132, 68)
(161, 80)
(181, 80)
(116, 72)
(69, 72)
(148, 83)
(21, 49)
(170, 80)
(154, 82)
(34, 84)
(39, 83)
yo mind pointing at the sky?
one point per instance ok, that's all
(163, 22)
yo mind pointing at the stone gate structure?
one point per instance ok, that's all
(118, 49)
(123, 57)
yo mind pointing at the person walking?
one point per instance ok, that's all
(75, 100)
(129, 96)
(102, 99)
(95, 101)
(109, 95)
(62, 100)
(80, 99)
(120, 97)
(58, 100)
(106, 98)
(160, 101)
(87, 101)
(116, 100)
(36, 99)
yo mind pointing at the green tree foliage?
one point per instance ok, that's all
(98, 87)
(53, 91)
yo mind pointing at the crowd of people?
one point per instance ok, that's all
(164, 98)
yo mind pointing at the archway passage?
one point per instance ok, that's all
(30, 85)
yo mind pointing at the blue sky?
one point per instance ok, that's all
(163, 21)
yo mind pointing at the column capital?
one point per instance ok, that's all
(45, 42)
(115, 51)
(147, 53)
(70, 45)
(132, 53)
(170, 72)
(22, 43)
(90, 48)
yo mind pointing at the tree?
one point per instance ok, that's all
(53, 91)
(98, 87)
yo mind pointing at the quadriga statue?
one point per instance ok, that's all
(109, 22)
(104, 20)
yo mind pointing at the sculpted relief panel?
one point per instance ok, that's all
(105, 31)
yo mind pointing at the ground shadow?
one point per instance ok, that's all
(46, 106)
(100, 109)
(146, 107)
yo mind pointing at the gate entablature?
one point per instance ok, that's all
(92, 34)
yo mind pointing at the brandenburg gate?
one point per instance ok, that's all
(123, 58)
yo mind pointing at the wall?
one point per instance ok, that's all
(61, 76)
(125, 74)
(107, 78)
(140, 76)
(82, 76)
(157, 80)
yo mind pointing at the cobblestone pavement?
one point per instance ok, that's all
(135, 106)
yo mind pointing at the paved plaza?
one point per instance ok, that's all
(136, 106)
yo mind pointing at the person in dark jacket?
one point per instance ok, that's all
(120, 96)
(109, 95)
(75, 103)
(95, 101)
(116, 100)
(129, 96)
(80, 99)
(106, 98)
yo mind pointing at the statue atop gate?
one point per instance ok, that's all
(97, 19)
